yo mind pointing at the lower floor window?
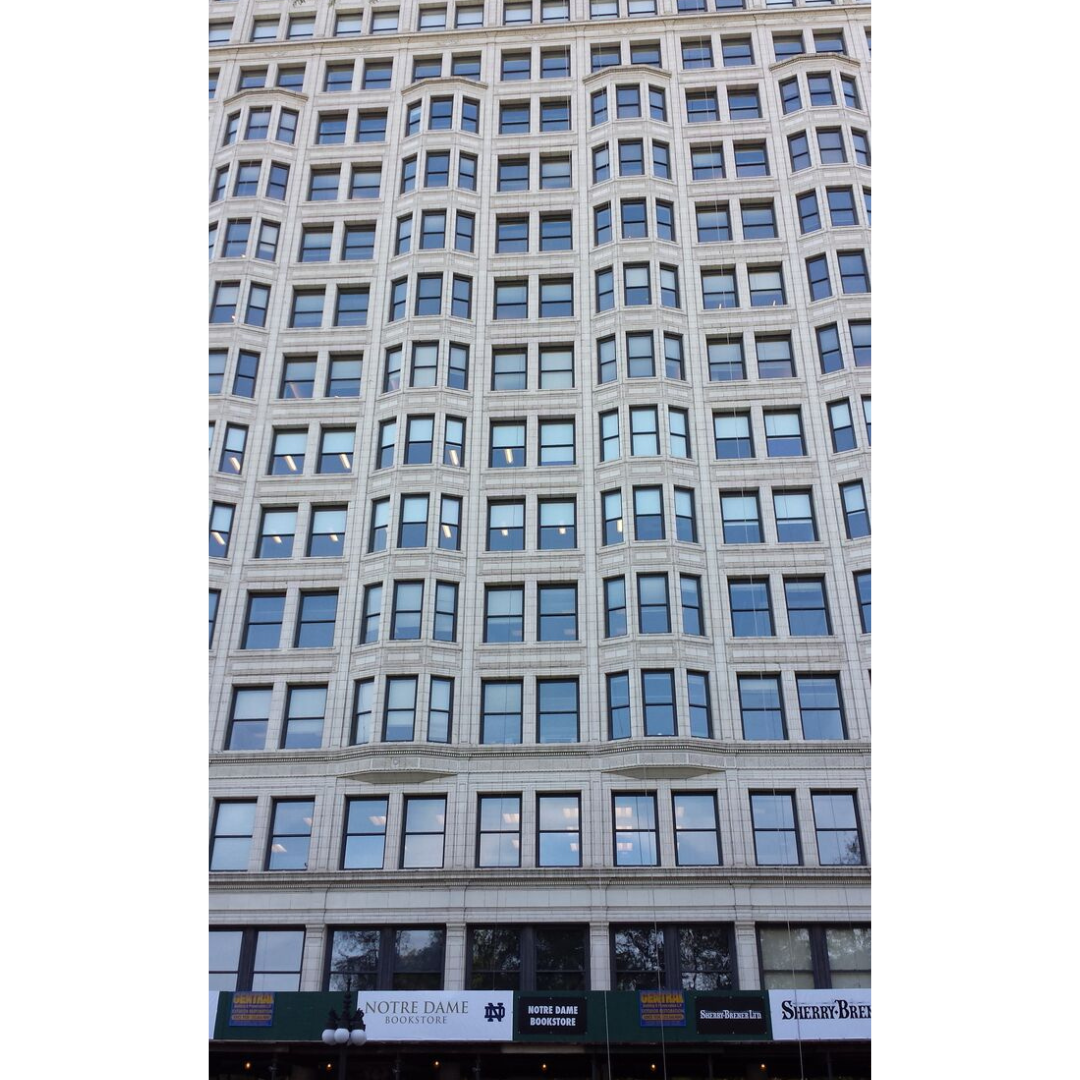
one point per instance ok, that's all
(528, 958)
(250, 959)
(826, 957)
(699, 957)
(386, 958)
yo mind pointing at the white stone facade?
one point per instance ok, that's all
(597, 767)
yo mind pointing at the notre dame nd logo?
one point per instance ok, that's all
(493, 1012)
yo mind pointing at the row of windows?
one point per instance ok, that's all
(694, 823)
(553, 230)
(707, 160)
(557, 530)
(555, 614)
(542, 711)
(543, 957)
(556, 438)
(516, 117)
(551, 297)
(514, 13)
(553, 367)
(554, 518)
(554, 63)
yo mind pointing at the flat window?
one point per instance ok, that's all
(799, 151)
(817, 277)
(685, 517)
(635, 830)
(290, 834)
(255, 959)
(499, 838)
(556, 232)
(701, 106)
(352, 306)
(437, 169)
(776, 840)
(327, 531)
(644, 431)
(713, 222)
(504, 613)
(820, 707)
(556, 443)
(697, 835)
(718, 289)
(555, 173)
(513, 174)
(736, 51)
(808, 610)
(697, 53)
(262, 626)
(751, 159)
(741, 518)
(774, 356)
(509, 369)
(794, 517)
(836, 824)
(387, 958)
(339, 78)
(454, 442)
(234, 826)
(751, 608)
(365, 834)
(424, 833)
(428, 295)
(315, 623)
(558, 828)
(761, 707)
(506, 526)
(814, 956)
(249, 720)
(277, 533)
(507, 446)
(766, 286)
(500, 719)
(556, 613)
(726, 361)
(732, 435)
(557, 524)
(673, 957)
(783, 434)
(232, 452)
(557, 710)
(304, 715)
(511, 300)
(744, 103)
(556, 298)
(707, 162)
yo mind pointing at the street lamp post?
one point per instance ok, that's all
(345, 1030)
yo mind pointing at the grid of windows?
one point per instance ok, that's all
(450, 556)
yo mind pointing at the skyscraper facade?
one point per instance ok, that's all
(540, 536)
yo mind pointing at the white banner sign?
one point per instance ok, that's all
(438, 1015)
(820, 1014)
